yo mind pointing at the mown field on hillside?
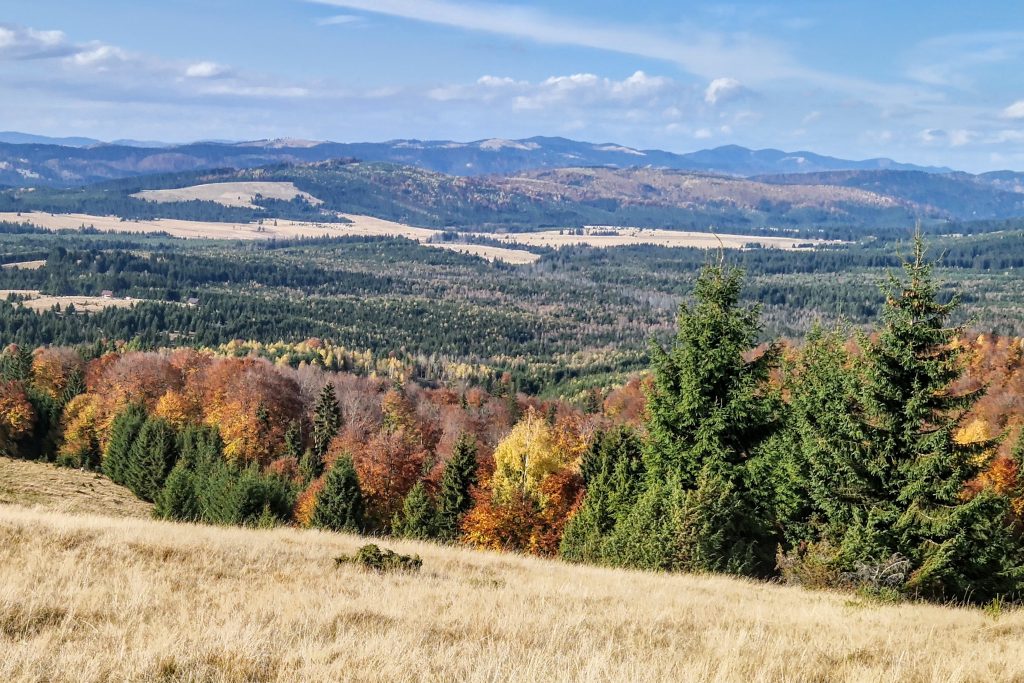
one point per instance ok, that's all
(174, 602)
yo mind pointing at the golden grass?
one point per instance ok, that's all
(365, 226)
(43, 302)
(602, 236)
(25, 265)
(241, 194)
(61, 489)
(90, 598)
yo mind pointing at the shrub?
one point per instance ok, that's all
(381, 560)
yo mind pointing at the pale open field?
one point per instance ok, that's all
(269, 229)
(97, 598)
(44, 302)
(229, 194)
(663, 238)
(26, 265)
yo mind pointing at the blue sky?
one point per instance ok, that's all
(935, 82)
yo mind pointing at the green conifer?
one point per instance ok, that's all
(340, 504)
(453, 499)
(123, 431)
(417, 517)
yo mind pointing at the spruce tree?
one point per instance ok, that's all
(710, 410)
(417, 517)
(959, 547)
(123, 432)
(326, 422)
(178, 499)
(340, 505)
(612, 471)
(453, 499)
(151, 458)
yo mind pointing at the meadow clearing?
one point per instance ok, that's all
(109, 597)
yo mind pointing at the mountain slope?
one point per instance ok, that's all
(40, 161)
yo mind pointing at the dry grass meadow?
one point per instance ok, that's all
(101, 598)
(229, 194)
(40, 302)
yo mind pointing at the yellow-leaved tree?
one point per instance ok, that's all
(530, 453)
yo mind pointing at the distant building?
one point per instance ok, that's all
(107, 294)
(192, 301)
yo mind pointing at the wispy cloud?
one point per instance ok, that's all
(954, 60)
(338, 20)
(1014, 111)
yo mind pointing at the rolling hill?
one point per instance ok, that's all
(187, 602)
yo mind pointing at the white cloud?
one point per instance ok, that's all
(338, 20)
(1014, 111)
(812, 117)
(205, 70)
(570, 90)
(721, 90)
(18, 42)
(702, 133)
(98, 57)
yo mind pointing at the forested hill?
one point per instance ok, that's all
(555, 198)
(34, 160)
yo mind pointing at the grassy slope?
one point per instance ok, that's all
(97, 598)
(61, 489)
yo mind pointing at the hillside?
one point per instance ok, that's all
(61, 489)
(33, 160)
(180, 602)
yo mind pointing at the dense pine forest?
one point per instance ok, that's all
(881, 457)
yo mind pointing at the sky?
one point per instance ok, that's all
(936, 82)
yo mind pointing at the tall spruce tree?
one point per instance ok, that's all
(326, 422)
(339, 506)
(710, 411)
(123, 432)
(453, 499)
(612, 471)
(417, 518)
(959, 547)
(151, 458)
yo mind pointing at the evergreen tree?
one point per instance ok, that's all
(178, 499)
(417, 517)
(255, 497)
(326, 422)
(293, 441)
(710, 413)
(340, 504)
(453, 499)
(151, 458)
(123, 432)
(75, 386)
(16, 363)
(959, 547)
(612, 471)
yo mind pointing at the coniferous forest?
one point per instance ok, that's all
(878, 454)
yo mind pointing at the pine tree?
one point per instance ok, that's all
(340, 505)
(178, 499)
(326, 422)
(453, 499)
(123, 432)
(417, 517)
(710, 413)
(75, 386)
(959, 547)
(612, 471)
(151, 458)
(16, 364)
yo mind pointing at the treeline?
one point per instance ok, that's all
(882, 463)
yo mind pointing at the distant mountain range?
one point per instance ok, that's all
(27, 160)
